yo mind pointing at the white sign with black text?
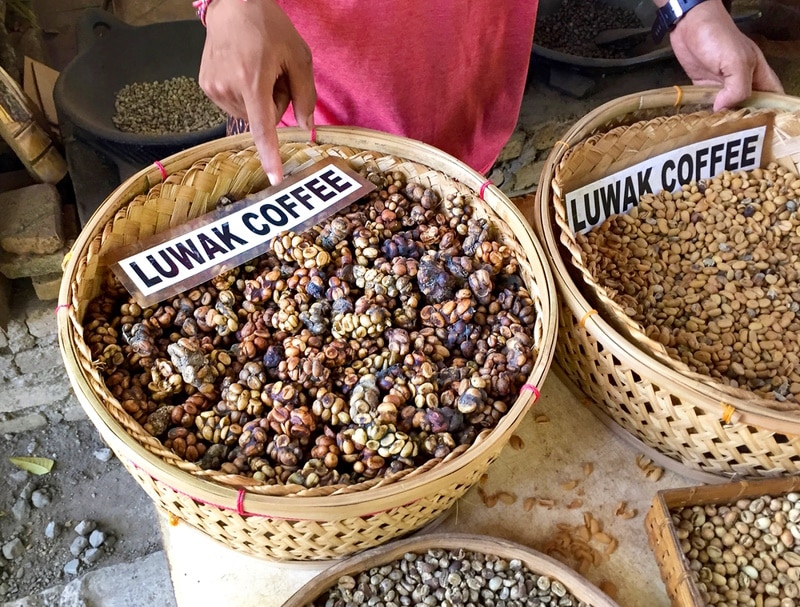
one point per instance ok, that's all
(592, 204)
(183, 257)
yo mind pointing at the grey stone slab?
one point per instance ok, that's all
(47, 286)
(24, 423)
(32, 220)
(41, 320)
(22, 393)
(40, 362)
(5, 304)
(18, 336)
(22, 266)
(145, 581)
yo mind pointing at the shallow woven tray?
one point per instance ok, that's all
(698, 424)
(287, 522)
(663, 538)
(536, 562)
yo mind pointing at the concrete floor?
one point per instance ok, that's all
(202, 572)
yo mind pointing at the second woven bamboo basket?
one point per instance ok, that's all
(699, 428)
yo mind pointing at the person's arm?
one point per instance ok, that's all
(254, 63)
(714, 52)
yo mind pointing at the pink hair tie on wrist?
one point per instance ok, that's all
(201, 6)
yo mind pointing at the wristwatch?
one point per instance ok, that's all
(669, 14)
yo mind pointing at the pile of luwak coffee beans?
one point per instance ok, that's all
(712, 272)
(448, 577)
(745, 554)
(390, 334)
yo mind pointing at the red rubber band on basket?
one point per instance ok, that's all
(484, 185)
(161, 168)
(240, 502)
(313, 135)
(586, 316)
(60, 307)
(531, 388)
(680, 95)
(727, 413)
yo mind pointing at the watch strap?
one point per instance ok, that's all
(669, 14)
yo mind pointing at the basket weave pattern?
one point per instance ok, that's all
(285, 522)
(699, 424)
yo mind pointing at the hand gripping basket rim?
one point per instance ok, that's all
(537, 562)
(629, 365)
(302, 526)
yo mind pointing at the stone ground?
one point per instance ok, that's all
(40, 416)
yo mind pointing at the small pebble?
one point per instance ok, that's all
(13, 549)
(51, 530)
(97, 538)
(21, 509)
(85, 527)
(40, 499)
(104, 455)
(91, 556)
(72, 567)
(78, 545)
(19, 476)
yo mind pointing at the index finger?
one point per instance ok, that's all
(261, 115)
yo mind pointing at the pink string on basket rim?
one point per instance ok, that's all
(531, 388)
(313, 135)
(484, 185)
(679, 96)
(586, 316)
(60, 307)
(727, 413)
(240, 500)
(161, 168)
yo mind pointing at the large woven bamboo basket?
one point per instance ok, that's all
(698, 426)
(536, 562)
(287, 522)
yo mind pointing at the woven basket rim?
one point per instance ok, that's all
(705, 395)
(330, 506)
(586, 591)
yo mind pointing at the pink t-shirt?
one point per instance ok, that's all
(450, 74)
